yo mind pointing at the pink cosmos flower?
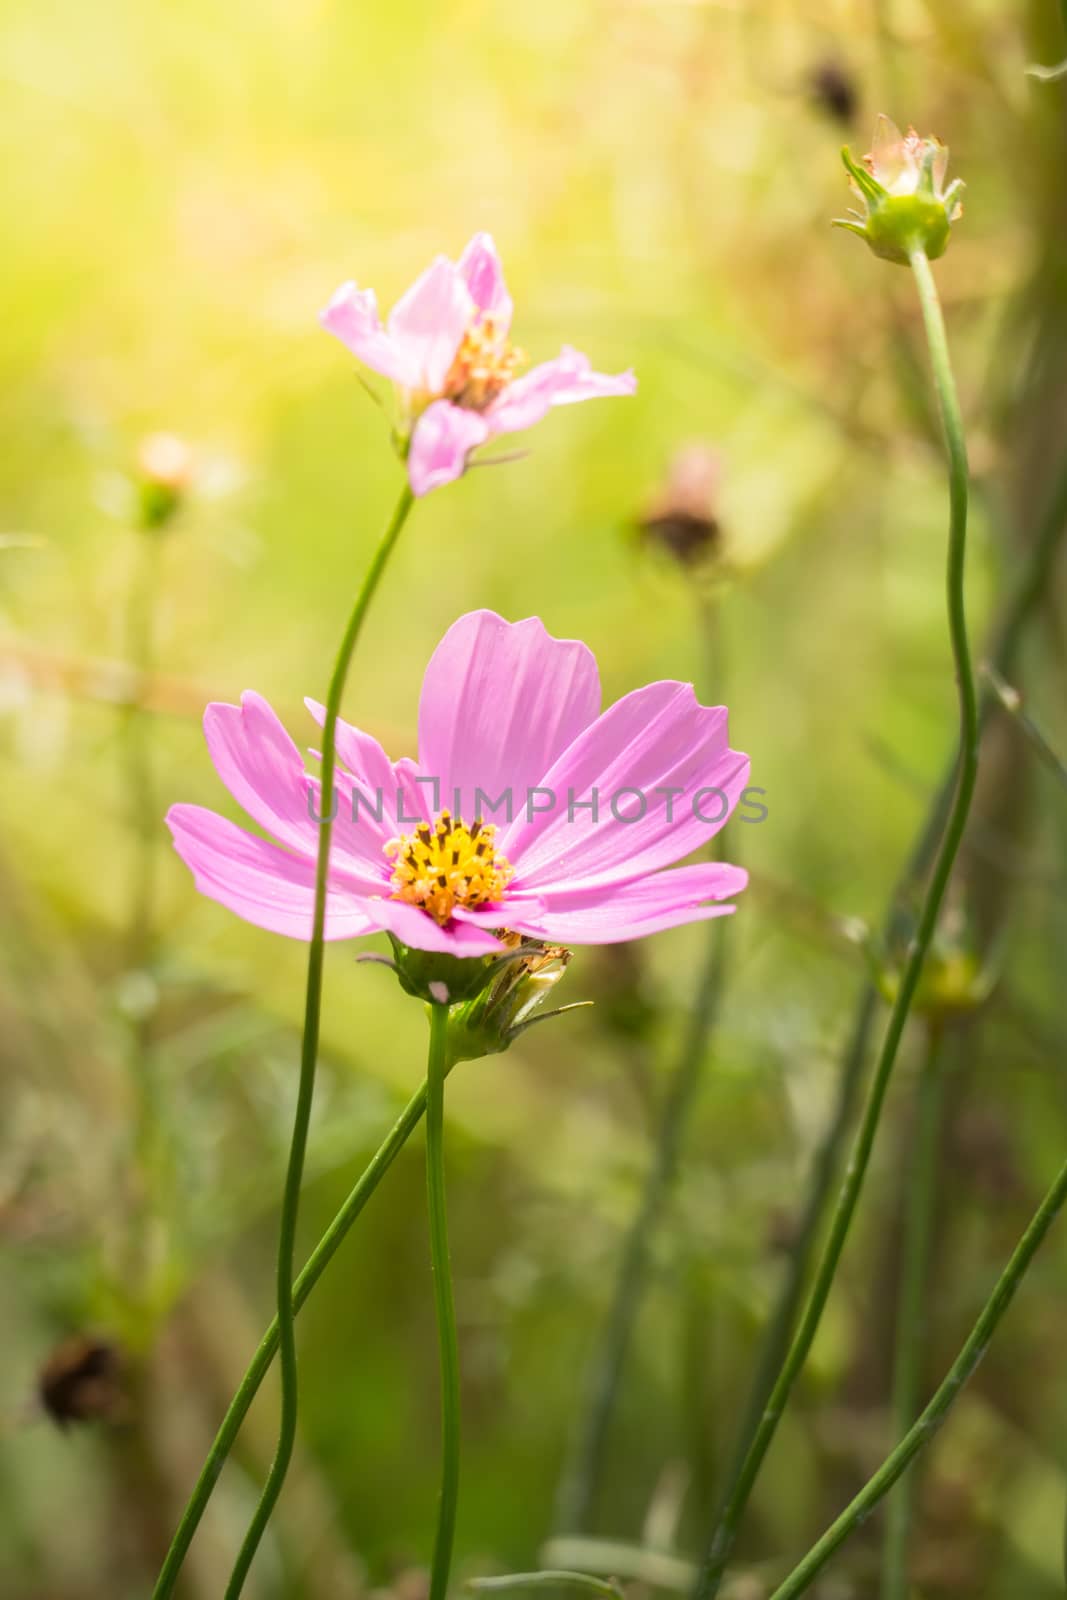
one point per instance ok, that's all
(447, 349)
(591, 806)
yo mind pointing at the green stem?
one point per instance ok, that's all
(318, 1261)
(728, 1522)
(911, 1308)
(308, 1060)
(923, 1430)
(1028, 588)
(446, 1312)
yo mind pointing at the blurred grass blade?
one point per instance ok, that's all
(548, 1579)
(1012, 702)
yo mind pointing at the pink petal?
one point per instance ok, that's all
(382, 784)
(429, 322)
(262, 768)
(419, 795)
(359, 838)
(257, 880)
(632, 910)
(655, 738)
(443, 438)
(940, 167)
(480, 269)
(264, 771)
(500, 702)
(499, 915)
(417, 928)
(360, 752)
(889, 152)
(352, 316)
(562, 382)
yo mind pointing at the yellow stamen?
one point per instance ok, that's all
(445, 864)
(485, 363)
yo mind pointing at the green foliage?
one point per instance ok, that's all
(187, 185)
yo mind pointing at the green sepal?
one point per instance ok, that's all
(510, 1003)
(439, 978)
(864, 181)
(897, 225)
(900, 224)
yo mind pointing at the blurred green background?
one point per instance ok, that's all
(185, 187)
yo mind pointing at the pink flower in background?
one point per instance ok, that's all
(446, 347)
(592, 805)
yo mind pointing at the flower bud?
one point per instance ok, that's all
(83, 1381)
(491, 999)
(900, 183)
(437, 977)
(522, 981)
(164, 473)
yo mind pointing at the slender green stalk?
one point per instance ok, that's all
(911, 1309)
(923, 1430)
(547, 1579)
(318, 1261)
(1029, 587)
(1007, 634)
(436, 1072)
(728, 1522)
(308, 1060)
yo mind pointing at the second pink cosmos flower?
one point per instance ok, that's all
(447, 348)
(591, 806)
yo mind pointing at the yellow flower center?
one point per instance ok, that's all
(446, 864)
(485, 363)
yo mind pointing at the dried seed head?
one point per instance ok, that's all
(83, 1381)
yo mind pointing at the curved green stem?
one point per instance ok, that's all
(1029, 585)
(318, 1261)
(923, 1430)
(436, 1073)
(728, 1522)
(308, 1060)
(911, 1308)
